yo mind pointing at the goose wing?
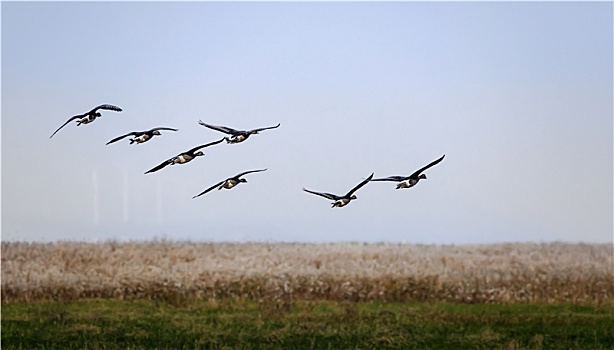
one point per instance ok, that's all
(364, 182)
(223, 129)
(266, 128)
(205, 145)
(392, 178)
(323, 194)
(209, 189)
(163, 128)
(134, 133)
(248, 172)
(107, 107)
(162, 165)
(68, 121)
(417, 172)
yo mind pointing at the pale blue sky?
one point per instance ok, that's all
(518, 96)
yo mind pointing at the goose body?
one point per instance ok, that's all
(184, 157)
(141, 136)
(88, 117)
(236, 135)
(229, 182)
(341, 201)
(411, 180)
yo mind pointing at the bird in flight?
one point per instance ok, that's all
(236, 135)
(141, 136)
(89, 117)
(184, 157)
(341, 201)
(411, 180)
(229, 182)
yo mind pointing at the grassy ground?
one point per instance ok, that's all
(492, 273)
(236, 324)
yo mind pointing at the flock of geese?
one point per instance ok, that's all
(236, 136)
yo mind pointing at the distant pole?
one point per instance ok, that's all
(95, 206)
(126, 207)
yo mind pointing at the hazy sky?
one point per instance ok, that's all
(518, 96)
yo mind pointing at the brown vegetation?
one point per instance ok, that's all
(176, 272)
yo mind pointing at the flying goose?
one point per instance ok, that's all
(341, 201)
(88, 117)
(184, 157)
(411, 180)
(237, 135)
(141, 136)
(229, 182)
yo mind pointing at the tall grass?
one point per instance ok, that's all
(283, 272)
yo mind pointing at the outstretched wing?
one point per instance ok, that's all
(68, 121)
(162, 165)
(169, 129)
(209, 189)
(268, 127)
(364, 182)
(107, 107)
(417, 172)
(205, 145)
(223, 129)
(392, 178)
(248, 172)
(134, 133)
(323, 194)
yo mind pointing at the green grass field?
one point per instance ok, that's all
(186, 295)
(242, 324)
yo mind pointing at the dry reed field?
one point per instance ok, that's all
(283, 272)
